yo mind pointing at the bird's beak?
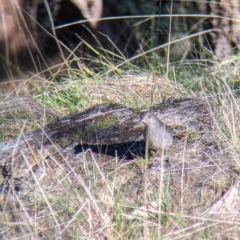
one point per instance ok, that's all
(143, 120)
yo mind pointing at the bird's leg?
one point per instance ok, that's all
(153, 153)
(157, 155)
(167, 163)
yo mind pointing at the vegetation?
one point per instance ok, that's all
(107, 199)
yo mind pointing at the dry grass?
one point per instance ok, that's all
(93, 196)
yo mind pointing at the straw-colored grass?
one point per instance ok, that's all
(52, 195)
(92, 199)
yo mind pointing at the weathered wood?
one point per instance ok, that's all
(107, 129)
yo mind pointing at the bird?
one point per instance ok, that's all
(158, 135)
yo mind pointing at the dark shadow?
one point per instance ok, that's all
(127, 150)
(115, 35)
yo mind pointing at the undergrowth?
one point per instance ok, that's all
(87, 202)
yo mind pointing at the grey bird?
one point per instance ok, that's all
(158, 134)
